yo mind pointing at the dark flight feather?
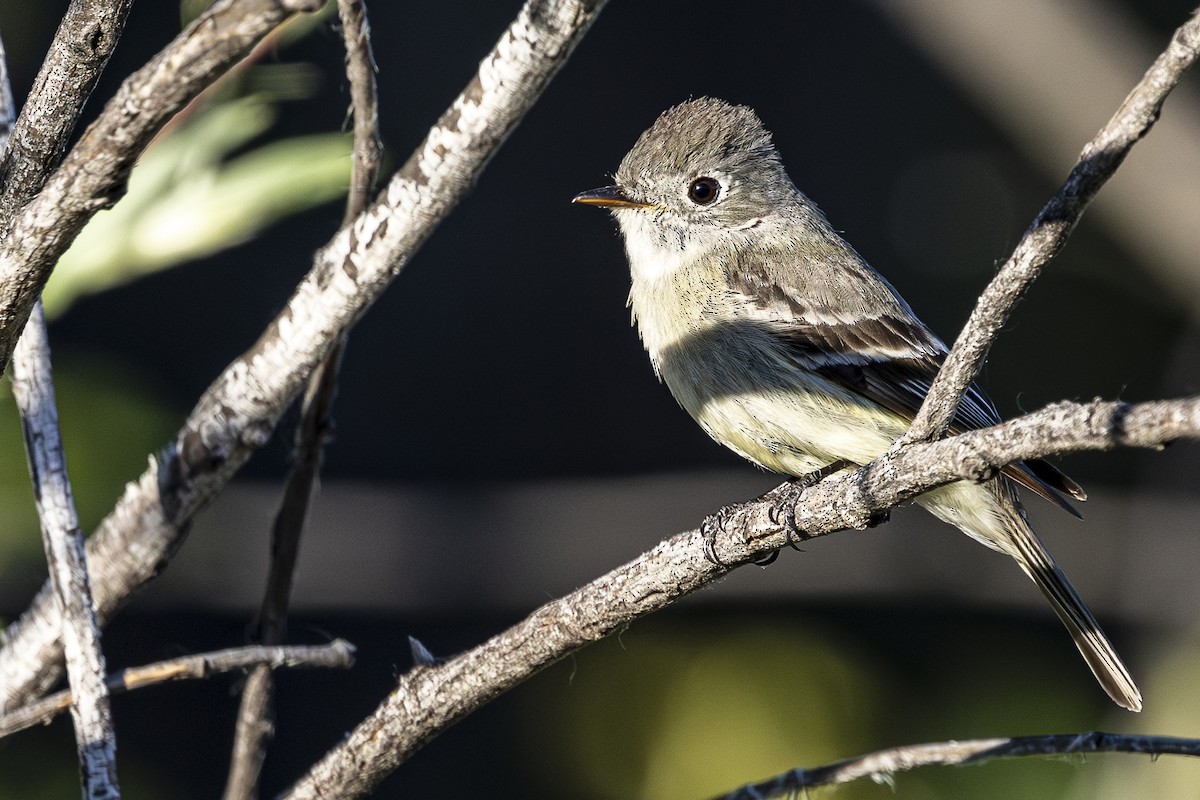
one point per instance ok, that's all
(890, 359)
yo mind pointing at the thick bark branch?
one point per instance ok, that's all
(853, 499)
(85, 39)
(428, 699)
(77, 56)
(1049, 231)
(236, 415)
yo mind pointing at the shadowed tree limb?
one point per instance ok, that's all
(881, 765)
(28, 151)
(92, 176)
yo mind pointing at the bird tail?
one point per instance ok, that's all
(991, 513)
(1085, 631)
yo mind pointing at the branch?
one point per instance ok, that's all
(882, 764)
(237, 413)
(93, 174)
(338, 654)
(316, 408)
(430, 698)
(1049, 231)
(85, 39)
(33, 390)
(852, 500)
(364, 105)
(254, 724)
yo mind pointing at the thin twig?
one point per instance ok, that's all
(93, 174)
(33, 390)
(255, 726)
(430, 698)
(882, 764)
(237, 413)
(1050, 229)
(364, 105)
(338, 654)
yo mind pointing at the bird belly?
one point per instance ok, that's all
(787, 422)
(732, 374)
(797, 429)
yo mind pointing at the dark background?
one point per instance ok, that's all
(503, 357)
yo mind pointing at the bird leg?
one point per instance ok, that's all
(782, 511)
(784, 497)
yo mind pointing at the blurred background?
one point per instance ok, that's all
(501, 438)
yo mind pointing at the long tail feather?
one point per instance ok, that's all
(1095, 647)
(991, 514)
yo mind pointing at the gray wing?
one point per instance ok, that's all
(848, 325)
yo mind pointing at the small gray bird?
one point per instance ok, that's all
(789, 349)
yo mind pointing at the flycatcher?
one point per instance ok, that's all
(790, 350)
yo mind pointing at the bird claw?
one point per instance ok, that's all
(716, 524)
(713, 525)
(786, 507)
(788, 495)
(782, 511)
(767, 560)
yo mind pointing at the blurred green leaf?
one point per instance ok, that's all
(185, 200)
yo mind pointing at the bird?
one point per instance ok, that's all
(789, 349)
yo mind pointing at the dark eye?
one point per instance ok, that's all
(704, 190)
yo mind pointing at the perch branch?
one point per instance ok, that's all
(430, 698)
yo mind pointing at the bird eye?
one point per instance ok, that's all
(704, 191)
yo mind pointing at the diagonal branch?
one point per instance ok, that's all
(93, 174)
(1049, 231)
(237, 413)
(882, 764)
(85, 39)
(430, 698)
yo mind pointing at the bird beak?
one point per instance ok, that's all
(608, 197)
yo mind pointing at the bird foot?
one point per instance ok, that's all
(785, 497)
